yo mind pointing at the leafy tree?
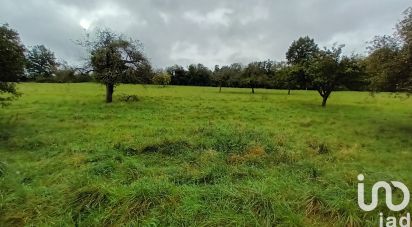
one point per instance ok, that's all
(287, 76)
(385, 64)
(178, 74)
(328, 70)
(66, 75)
(162, 78)
(301, 52)
(141, 75)
(228, 75)
(217, 77)
(41, 62)
(253, 76)
(404, 31)
(113, 58)
(234, 76)
(221, 76)
(390, 59)
(359, 81)
(199, 75)
(12, 62)
(70, 75)
(268, 70)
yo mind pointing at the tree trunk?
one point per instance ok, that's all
(289, 91)
(325, 98)
(220, 88)
(253, 90)
(109, 92)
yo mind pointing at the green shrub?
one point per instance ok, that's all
(162, 78)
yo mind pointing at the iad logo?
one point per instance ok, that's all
(389, 221)
(388, 189)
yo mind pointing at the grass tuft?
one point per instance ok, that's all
(314, 205)
(168, 147)
(3, 169)
(86, 200)
(142, 197)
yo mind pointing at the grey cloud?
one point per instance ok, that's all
(211, 32)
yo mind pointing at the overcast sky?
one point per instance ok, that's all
(206, 31)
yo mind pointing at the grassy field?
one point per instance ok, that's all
(194, 156)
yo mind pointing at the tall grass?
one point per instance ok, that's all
(193, 156)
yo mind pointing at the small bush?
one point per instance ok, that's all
(162, 78)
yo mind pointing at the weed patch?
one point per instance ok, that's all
(141, 198)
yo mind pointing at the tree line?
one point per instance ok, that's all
(115, 59)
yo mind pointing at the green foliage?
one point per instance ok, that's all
(390, 59)
(385, 64)
(329, 70)
(404, 31)
(254, 76)
(299, 55)
(287, 76)
(199, 75)
(302, 51)
(227, 75)
(11, 56)
(11, 63)
(178, 75)
(162, 78)
(261, 74)
(66, 74)
(41, 62)
(114, 59)
(8, 93)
